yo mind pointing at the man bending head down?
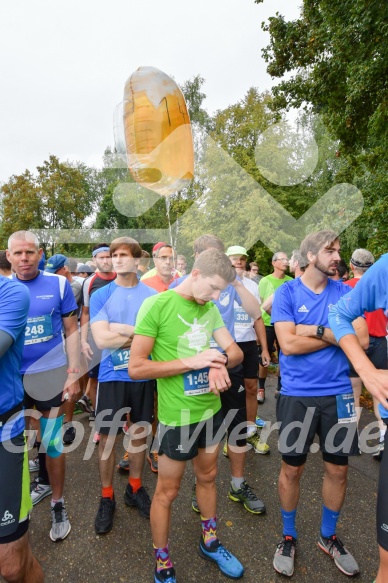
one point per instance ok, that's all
(176, 327)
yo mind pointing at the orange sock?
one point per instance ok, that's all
(135, 483)
(108, 492)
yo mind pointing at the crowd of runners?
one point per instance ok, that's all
(178, 361)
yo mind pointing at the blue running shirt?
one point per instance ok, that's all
(320, 373)
(114, 303)
(14, 304)
(51, 296)
(371, 293)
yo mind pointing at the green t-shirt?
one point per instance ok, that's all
(181, 328)
(267, 286)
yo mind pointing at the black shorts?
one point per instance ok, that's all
(136, 397)
(302, 418)
(234, 407)
(182, 443)
(377, 354)
(251, 359)
(382, 498)
(44, 389)
(94, 364)
(15, 499)
(272, 341)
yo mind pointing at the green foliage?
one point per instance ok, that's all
(333, 61)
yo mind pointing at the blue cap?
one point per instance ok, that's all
(55, 262)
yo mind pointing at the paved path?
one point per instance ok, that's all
(125, 554)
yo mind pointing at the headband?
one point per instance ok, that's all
(359, 264)
(100, 250)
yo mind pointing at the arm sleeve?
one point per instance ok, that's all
(371, 293)
(147, 321)
(14, 305)
(68, 303)
(282, 309)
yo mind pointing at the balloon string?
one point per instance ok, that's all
(167, 199)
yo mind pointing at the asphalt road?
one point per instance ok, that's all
(126, 555)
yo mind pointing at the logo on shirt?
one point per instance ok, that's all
(224, 299)
(303, 309)
(197, 335)
(7, 518)
(47, 297)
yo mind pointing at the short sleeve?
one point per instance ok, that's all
(282, 307)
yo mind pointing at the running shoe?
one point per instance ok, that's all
(123, 465)
(260, 396)
(84, 404)
(194, 503)
(60, 522)
(96, 438)
(283, 561)
(227, 563)
(140, 499)
(39, 491)
(69, 435)
(258, 445)
(33, 465)
(260, 422)
(378, 454)
(152, 457)
(165, 576)
(104, 518)
(92, 415)
(248, 498)
(333, 547)
(225, 448)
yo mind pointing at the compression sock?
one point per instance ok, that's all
(43, 475)
(329, 521)
(107, 492)
(209, 530)
(289, 518)
(262, 382)
(135, 483)
(162, 557)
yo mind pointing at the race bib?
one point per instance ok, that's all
(120, 358)
(38, 329)
(196, 382)
(241, 318)
(346, 410)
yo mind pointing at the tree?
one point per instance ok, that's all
(59, 196)
(333, 61)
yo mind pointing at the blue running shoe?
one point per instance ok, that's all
(260, 422)
(165, 576)
(226, 562)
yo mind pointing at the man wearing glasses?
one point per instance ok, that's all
(267, 287)
(164, 258)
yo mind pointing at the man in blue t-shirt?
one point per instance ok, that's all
(50, 375)
(16, 559)
(316, 397)
(371, 293)
(113, 311)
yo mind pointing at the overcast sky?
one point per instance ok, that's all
(63, 65)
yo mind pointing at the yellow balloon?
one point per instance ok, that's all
(158, 137)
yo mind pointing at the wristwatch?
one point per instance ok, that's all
(320, 331)
(227, 358)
